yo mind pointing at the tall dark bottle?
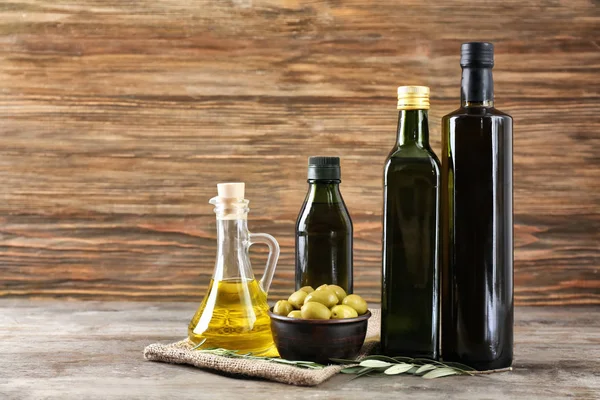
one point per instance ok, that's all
(410, 279)
(477, 221)
(324, 229)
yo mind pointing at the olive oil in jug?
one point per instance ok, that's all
(239, 318)
(234, 312)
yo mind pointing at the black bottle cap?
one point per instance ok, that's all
(324, 168)
(477, 54)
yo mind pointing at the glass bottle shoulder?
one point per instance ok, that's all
(316, 216)
(476, 112)
(472, 121)
(402, 156)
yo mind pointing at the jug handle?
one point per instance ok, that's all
(264, 238)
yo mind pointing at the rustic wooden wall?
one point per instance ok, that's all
(118, 118)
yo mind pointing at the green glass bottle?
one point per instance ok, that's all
(324, 229)
(477, 221)
(410, 278)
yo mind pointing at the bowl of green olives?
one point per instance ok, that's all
(317, 325)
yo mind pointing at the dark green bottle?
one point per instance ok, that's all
(477, 221)
(324, 229)
(410, 279)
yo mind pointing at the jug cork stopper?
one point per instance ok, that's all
(233, 190)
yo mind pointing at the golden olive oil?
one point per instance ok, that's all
(234, 315)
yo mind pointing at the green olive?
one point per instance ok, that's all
(282, 307)
(295, 314)
(356, 302)
(341, 311)
(324, 296)
(313, 310)
(296, 299)
(339, 292)
(307, 289)
(323, 286)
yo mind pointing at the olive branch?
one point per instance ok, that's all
(249, 356)
(370, 365)
(423, 367)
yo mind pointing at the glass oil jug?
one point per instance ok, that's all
(234, 312)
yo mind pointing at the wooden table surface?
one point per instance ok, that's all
(59, 349)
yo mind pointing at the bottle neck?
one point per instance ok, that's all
(477, 87)
(232, 249)
(413, 128)
(323, 191)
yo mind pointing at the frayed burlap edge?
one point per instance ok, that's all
(181, 353)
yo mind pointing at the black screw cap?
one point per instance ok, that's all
(324, 168)
(477, 54)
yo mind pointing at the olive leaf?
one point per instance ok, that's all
(440, 372)
(459, 366)
(398, 369)
(375, 364)
(363, 372)
(403, 359)
(199, 344)
(351, 370)
(424, 368)
(381, 358)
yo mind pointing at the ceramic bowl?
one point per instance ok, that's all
(318, 340)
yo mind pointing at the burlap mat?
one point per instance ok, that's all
(181, 353)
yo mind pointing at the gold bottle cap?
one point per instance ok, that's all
(413, 98)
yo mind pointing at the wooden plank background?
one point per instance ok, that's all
(118, 118)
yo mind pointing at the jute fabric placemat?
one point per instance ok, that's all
(181, 353)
